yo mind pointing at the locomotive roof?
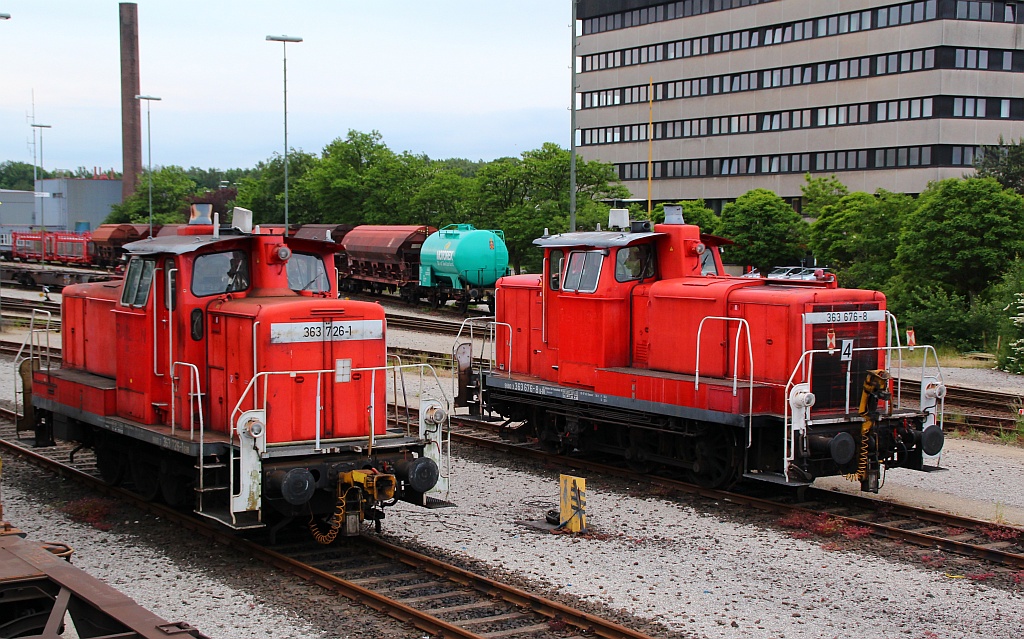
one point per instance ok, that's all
(597, 239)
(176, 244)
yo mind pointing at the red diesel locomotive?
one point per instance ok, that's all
(223, 371)
(636, 343)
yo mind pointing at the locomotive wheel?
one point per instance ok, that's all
(145, 476)
(110, 465)
(716, 457)
(552, 446)
(438, 298)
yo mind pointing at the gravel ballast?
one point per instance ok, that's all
(697, 570)
(177, 578)
(702, 573)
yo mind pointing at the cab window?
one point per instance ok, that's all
(306, 272)
(138, 282)
(556, 261)
(583, 271)
(634, 263)
(171, 292)
(217, 273)
(708, 266)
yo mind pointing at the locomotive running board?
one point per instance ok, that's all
(222, 516)
(775, 478)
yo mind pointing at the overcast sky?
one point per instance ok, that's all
(478, 79)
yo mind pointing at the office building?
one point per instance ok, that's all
(712, 98)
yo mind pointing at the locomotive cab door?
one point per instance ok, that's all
(135, 322)
(166, 327)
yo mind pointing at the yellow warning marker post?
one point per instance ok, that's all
(572, 503)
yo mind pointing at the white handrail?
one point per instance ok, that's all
(156, 305)
(264, 377)
(735, 366)
(195, 394)
(35, 351)
(490, 341)
(808, 369)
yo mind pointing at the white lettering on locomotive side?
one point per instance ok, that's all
(326, 331)
(842, 317)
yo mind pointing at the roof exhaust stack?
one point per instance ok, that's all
(201, 214)
(674, 214)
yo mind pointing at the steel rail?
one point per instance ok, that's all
(586, 622)
(1015, 560)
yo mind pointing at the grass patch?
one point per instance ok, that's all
(948, 358)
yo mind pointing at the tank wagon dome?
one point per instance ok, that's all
(465, 254)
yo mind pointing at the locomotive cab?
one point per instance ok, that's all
(635, 342)
(224, 371)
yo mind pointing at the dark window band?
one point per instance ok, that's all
(943, 106)
(657, 13)
(825, 26)
(815, 73)
(940, 155)
(984, 11)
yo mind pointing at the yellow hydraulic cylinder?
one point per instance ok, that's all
(572, 503)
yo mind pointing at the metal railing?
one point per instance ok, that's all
(735, 366)
(803, 372)
(34, 351)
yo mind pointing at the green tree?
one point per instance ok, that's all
(444, 197)
(1003, 162)
(18, 176)
(502, 202)
(858, 235)
(213, 179)
(171, 190)
(694, 212)
(392, 183)
(528, 195)
(962, 235)
(335, 189)
(1004, 302)
(767, 231)
(262, 189)
(819, 192)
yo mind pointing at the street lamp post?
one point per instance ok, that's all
(42, 212)
(149, 153)
(284, 40)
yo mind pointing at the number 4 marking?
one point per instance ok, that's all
(847, 353)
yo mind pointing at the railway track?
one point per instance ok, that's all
(819, 511)
(422, 591)
(970, 398)
(17, 309)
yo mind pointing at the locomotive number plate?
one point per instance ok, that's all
(842, 317)
(326, 331)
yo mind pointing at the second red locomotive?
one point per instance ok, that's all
(223, 372)
(635, 342)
